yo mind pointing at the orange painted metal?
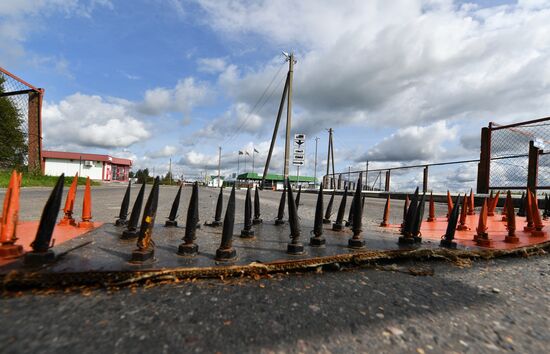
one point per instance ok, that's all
(537, 221)
(386, 216)
(87, 207)
(482, 236)
(492, 204)
(529, 214)
(69, 204)
(511, 220)
(471, 205)
(463, 213)
(431, 209)
(449, 203)
(10, 216)
(504, 211)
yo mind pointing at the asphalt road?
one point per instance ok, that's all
(492, 306)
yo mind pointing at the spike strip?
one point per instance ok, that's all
(226, 252)
(447, 239)
(131, 227)
(492, 204)
(247, 231)
(386, 216)
(463, 211)
(482, 236)
(41, 252)
(10, 218)
(338, 224)
(281, 211)
(511, 220)
(86, 222)
(318, 240)
(145, 246)
(356, 241)
(528, 213)
(69, 204)
(123, 214)
(257, 214)
(431, 209)
(537, 221)
(172, 222)
(328, 213)
(295, 247)
(189, 247)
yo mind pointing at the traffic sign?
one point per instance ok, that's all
(298, 163)
(299, 152)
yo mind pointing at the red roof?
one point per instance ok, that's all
(85, 157)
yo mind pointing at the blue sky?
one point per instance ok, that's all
(408, 81)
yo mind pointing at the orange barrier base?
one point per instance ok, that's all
(26, 232)
(496, 228)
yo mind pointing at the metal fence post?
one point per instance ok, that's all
(533, 167)
(484, 165)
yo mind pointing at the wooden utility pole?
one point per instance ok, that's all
(290, 59)
(219, 164)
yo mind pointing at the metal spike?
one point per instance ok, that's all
(145, 246)
(131, 228)
(172, 222)
(69, 204)
(408, 227)
(431, 209)
(447, 239)
(189, 247)
(257, 214)
(318, 239)
(528, 213)
(511, 220)
(247, 231)
(123, 214)
(218, 214)
(546, 212)
(463, 212)
(295, 246)
(356, 241)
(419, 217)
(226, 252)
(328, 213)
(482, 237)
(196, 206)
(522, 203)
(281, 211)
(405, 211)
(386, 216)
(349, 221)
(537, 221)
(338, 225)
(471, 205)
(449, 204)
(41, 252)
(298, 196)
(492, 204)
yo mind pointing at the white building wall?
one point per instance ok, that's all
(55, 167)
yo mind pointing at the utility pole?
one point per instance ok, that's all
(170, 171)
(219, 165)
(315, 170)
(291, 62)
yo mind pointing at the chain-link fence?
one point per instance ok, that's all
(20, 112)
(509, 153)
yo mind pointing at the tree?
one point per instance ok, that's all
(13, 148)
(142, 175)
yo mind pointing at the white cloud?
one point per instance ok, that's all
(91, 121)
(182, 98)
(413, 143)
(211, 65)
(166, 151)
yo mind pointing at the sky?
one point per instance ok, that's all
(400, 82)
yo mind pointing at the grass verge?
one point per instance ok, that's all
(35, 180)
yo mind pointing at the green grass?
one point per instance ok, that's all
(35, 180)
